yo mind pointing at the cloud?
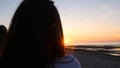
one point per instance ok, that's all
(106, 7)
(108, 15)
(107, 11)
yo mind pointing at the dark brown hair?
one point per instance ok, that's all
(35, 36)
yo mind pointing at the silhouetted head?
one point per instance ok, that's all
(3, 31)
(3, 28)
(35, 36)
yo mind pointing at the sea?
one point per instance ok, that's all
(109, 48)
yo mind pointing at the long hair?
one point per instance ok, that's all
(35, 36)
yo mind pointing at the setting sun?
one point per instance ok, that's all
(67, 41)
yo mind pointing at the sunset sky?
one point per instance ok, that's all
(84, 21)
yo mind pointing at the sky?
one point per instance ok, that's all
(83, 21)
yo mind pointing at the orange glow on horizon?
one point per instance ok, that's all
(75, 37)
(67, 41)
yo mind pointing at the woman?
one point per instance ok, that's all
(35, 38)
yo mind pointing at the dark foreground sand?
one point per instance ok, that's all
(89, 59)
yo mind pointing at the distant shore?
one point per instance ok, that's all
(91, 59)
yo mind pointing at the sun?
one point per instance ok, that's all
(67, 41)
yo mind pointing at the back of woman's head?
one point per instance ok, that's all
(35, 36)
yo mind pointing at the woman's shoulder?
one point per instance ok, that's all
(68, 61)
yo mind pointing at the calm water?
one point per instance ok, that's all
(112, 48)
(115, 51)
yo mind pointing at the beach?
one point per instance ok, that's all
(91, 59)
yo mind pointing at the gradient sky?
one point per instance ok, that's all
(83, 20)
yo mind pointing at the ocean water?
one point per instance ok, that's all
(109, 48)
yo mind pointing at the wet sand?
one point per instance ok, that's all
(90, 59)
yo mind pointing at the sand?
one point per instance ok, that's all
(89, 59)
